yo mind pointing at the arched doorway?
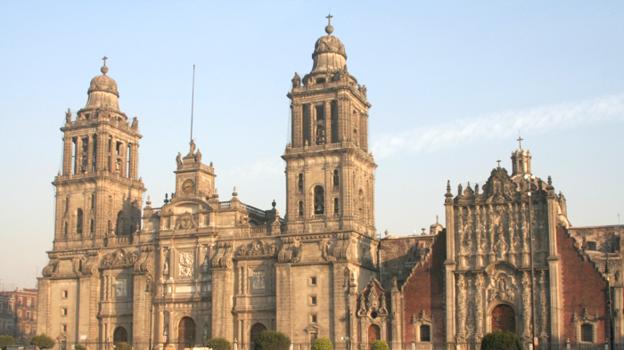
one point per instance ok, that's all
(503, 318)
(120, 335)
(186, 333)
(374, 334)
(256, 329)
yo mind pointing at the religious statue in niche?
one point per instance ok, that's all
(166, 262)
(320, 133)
(186, 265)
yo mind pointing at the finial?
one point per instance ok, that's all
(234, 192)
(166, 198)
(329, 28)
(149, 201)
(273, 204)
(437, 220)
(448, 186)
(519, 139)
(104, 68)
(498, 164)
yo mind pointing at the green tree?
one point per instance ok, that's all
(218, 344)
(272, 340)
(501, 340)
(123, 346)
(79, 347)
(322, 344)
(380, 345)
(6, 340)
(42, 341)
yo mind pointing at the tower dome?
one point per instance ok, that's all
(329, 52)
(103, 92)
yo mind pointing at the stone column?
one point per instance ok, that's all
(90, 153)
(449, 267)
(222, 298)
(67, 155)
(554, 273)
(296, 110)
(78, 156)
(283, 299)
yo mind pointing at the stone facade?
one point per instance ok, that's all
(18, 313)
(199, 266)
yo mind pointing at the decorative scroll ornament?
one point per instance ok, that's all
(290, 252)
(223, 255)
(185, 265)
(51, 269)
(256, 248)
(119, 259)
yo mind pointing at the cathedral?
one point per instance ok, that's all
(200, 266)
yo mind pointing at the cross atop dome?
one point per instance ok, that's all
(519, 139)
(104, 68)
(329, 28)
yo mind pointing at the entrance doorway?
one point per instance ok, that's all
(503, 318)
(186, 333)
(256, 329)
(120, 335)
(374, 334)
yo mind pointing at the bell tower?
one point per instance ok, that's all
(98, 191)
(329, 171)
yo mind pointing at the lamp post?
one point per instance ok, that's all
(534, 340)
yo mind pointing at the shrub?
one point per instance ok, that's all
(6, 340)
(322, 344)
(123, 346)
(500, 340)
(42, 341)
(380, 345)
(271, 340)
(79, 347)
(218, 344)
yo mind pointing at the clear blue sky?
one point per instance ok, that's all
(451, 83)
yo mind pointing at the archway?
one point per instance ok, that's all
(186, 333)
(374, 334)
(503, 318)
(120, 335)
(256, 329)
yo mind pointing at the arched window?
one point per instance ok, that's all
(319, 200)
(300, 208)
(587, 333)
(425, 333)
(336, 206)
(300, 183)
(374, 334)
(120, 229)
(65, 229)
(336, 178)
(92, 226)
(79, 221)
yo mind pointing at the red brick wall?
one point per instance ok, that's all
(423, 290)
(582, 287)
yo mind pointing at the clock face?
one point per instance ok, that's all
(187, 186)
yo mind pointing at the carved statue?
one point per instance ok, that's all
(320, 134)
(296, 80)
(135, 123)
(179, 160)
(68, 116)
(166, 255)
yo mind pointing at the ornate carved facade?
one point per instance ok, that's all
(200, 266)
